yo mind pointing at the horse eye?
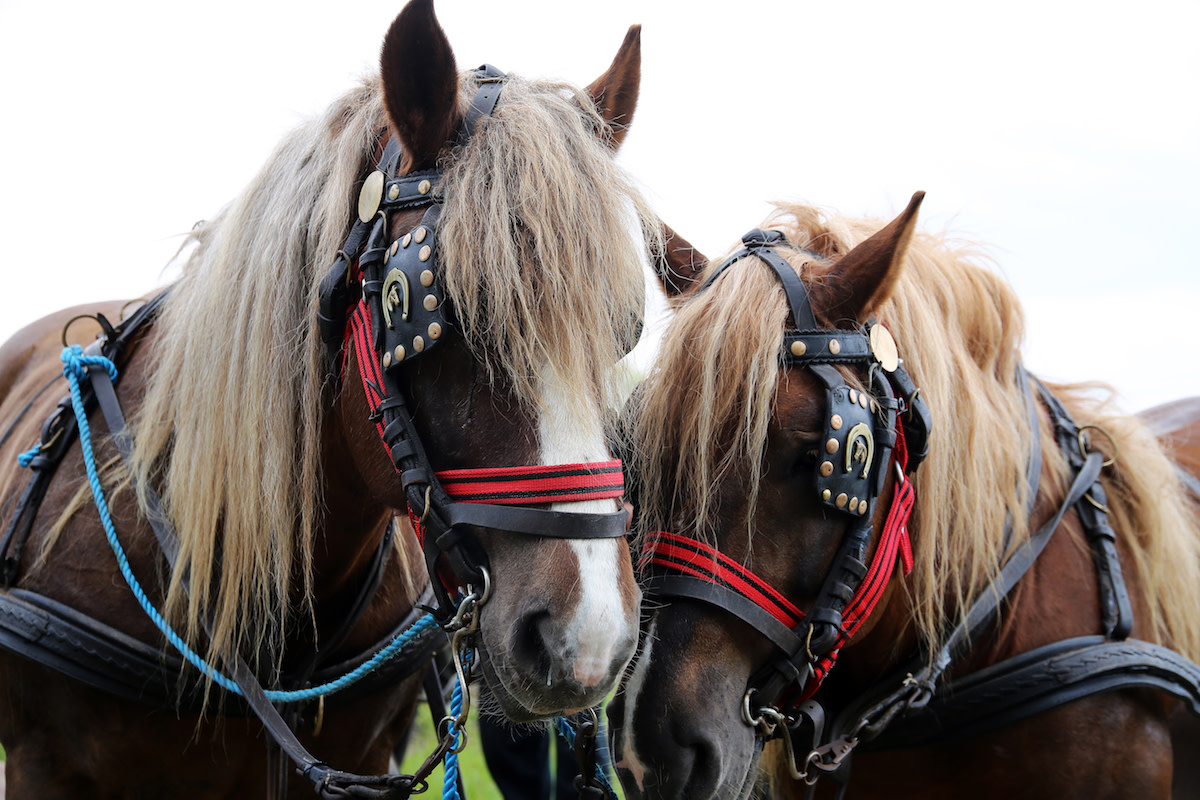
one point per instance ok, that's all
(806, 459)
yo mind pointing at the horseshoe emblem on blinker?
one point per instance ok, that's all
(860, 448)
(395, 293)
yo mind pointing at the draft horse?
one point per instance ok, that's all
(272, 413)
(866, 530)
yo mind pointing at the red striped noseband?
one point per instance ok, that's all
(691, 568)
(521, 485)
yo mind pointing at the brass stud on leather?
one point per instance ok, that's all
(424, 186)
(425, 253)
(853, 396)
(835, 422)
(825, 495)
(826, 468)
(799, 348)
(399, 353)
(387, 360)
(831, 446)
(853, 507)
(862, 400)
(406, 240)
(395, 247)
(393, 191)
(862, 507)
(435, 330)
(840, 501)
(419, 234)
(430, 302)
(426, 278)
(835, 346)
(418, 344)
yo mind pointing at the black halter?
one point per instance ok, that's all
(409, 315)
(859, 439)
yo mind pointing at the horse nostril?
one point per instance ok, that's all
(534, 648)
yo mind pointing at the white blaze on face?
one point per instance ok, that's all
(599, 624)
(632, 691)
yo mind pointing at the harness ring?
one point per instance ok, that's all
(1084, 448)
(72, 321)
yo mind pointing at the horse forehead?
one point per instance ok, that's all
(799, 399)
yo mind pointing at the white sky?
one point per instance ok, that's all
(1065, 135)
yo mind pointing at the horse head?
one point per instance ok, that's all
(756, 505)
(485, 354)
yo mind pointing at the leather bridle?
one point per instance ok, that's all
(919, 704)
(864, 435)
(385, 299)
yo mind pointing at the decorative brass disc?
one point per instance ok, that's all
(370, 196)
(885, 348)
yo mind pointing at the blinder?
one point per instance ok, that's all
(858, 432)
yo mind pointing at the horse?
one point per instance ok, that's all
(375, 326)
(869, 537)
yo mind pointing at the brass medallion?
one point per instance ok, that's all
(884, 347)
(370, 196)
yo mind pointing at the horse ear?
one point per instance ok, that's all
(862, 279)
(615, 93)
(420, 85)
(679, 265)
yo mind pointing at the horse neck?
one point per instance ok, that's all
(355, 518)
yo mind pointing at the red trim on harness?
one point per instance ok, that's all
(691, 557)
(559, 483)
(563, 483)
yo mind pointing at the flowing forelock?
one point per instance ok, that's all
(542, 239)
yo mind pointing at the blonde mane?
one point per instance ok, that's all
(705, 407)
(536, 214)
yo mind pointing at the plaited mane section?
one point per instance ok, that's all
(703, 413)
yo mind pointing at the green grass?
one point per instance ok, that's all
(477, 782)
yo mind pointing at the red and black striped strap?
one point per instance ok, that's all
(561, 483)
(689, 568)
(521, 485)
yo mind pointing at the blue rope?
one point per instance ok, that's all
(450, 762)
(568, 733)
(74, 365)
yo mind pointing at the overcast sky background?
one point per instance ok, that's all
(1065, 135)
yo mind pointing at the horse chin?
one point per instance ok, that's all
(735, 778)
(524, 699)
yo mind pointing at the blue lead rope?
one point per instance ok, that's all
(75, 365)
(568, 733)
